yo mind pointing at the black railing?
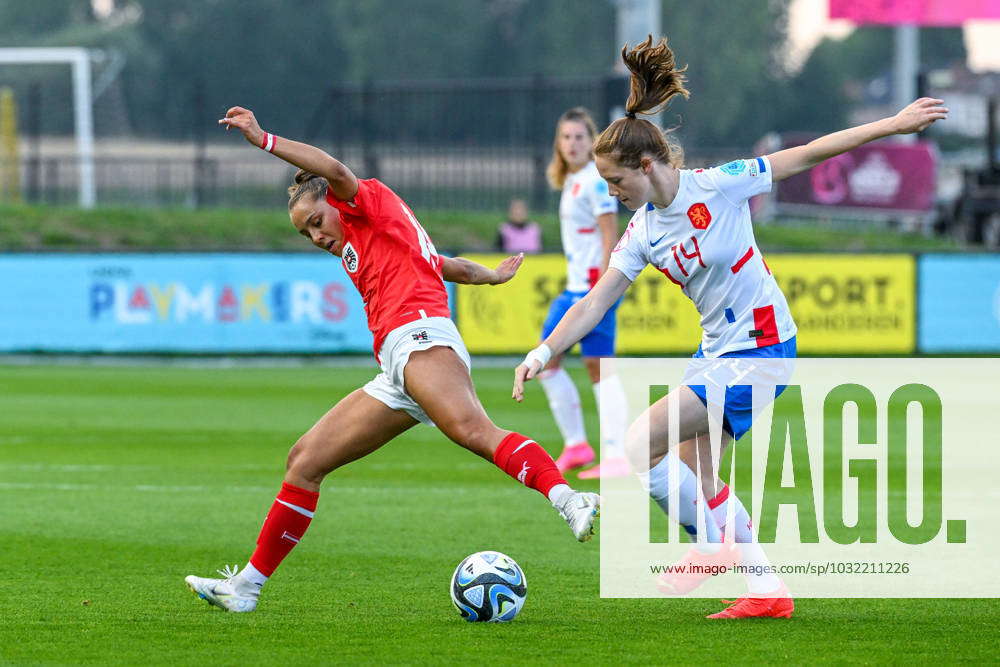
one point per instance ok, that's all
(469, 144)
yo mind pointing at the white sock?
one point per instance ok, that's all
(752, 554)
(558, 493)
(613, 408)
(252, 575)
(689, 497)
(564, 400)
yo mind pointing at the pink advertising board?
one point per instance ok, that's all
(885, 176)
(916, 12)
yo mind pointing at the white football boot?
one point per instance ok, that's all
(231, 593)
(580, 509)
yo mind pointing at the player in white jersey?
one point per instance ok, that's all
(588, 218)
(694, 227)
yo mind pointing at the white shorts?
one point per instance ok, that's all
(421, 334)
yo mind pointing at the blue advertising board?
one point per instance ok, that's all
(959, 303)
(204, 303)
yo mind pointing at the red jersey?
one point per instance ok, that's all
(390, 259)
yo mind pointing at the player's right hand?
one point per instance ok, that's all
(244, 121)
(522, 374)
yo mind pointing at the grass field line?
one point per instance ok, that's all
(122, 467)
(106, 467)
(290, 361)
(408, 489)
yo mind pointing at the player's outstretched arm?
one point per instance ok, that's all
(578, 321)
(914, 118)
(343, 182)
(467, 272)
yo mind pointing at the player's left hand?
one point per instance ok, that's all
(507, 268)
(919, 115)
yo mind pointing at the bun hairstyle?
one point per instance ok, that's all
(655, 80)
(557, 169)
(306, 184)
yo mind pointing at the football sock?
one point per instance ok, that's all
(610, 396)
(759, 579)
(564, 400)
(558, 492)
(661, 486)
(524, 460)
(252, 575)
(284, 526)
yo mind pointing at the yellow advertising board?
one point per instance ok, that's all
(841, 303)
(844, 304)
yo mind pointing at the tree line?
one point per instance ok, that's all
(184, 56)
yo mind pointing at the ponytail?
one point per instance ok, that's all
(655, 80)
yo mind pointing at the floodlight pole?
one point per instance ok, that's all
(634, 21)
(83, 118)
(906, 68)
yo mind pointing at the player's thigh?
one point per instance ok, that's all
(648, 437)
(439, 381)
(355, 427)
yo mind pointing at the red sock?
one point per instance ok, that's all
(284, 526)
(522, 458)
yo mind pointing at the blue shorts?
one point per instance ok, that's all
(600, 342)
(737, 413)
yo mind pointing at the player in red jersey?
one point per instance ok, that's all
(425, 366)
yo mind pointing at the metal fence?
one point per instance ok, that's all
(471, 144)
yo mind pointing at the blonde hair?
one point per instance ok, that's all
(305, 183)
(557, 169)
(655, 80)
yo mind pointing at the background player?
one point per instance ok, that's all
(425, 365)
(695, 228)
(588, 223)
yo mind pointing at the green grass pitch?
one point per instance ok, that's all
(115, 482)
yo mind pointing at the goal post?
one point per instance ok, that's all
(83, 119)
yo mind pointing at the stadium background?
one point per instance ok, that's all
(160, 351)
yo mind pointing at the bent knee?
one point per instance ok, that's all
(477, 434)
(303, 464)
(638, 449)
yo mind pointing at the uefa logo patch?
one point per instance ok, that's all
(699, 216)
(350, 258)
(734, 168)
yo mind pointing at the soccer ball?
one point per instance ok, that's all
(488, 587)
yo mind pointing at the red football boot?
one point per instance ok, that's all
(778, 606)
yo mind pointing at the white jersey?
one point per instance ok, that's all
(703, 242)
(584, 198)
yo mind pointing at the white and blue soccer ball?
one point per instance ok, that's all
(488, 587)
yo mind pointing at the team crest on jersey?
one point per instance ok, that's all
(350, 258)
(576, 189)
(699, 216)
(734, 168)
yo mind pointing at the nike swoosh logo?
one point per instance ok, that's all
(523, 444)
(653, 243)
